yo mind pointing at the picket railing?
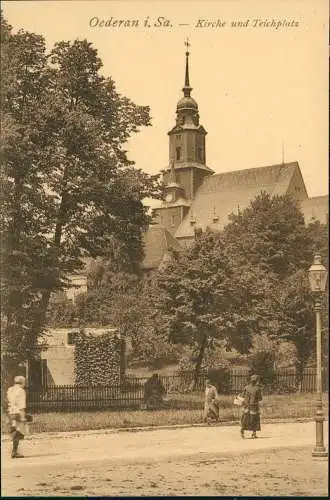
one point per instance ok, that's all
(130, 392)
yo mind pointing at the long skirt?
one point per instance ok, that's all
(250, 422)
(211, 411)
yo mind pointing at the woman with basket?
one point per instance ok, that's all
(249, 401)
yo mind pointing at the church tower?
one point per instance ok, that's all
(187, 141)
(187, 159)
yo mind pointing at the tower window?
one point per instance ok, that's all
(178, 153)
(178, 137)
(172, 220)
(200, 153)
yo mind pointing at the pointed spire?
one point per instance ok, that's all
(187, 89)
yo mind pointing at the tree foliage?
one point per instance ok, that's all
(69, 188)
(249, 280)
(195, 290)
(126, 302)
(270, 241)
(294, 308)
(198, 298)
(270, 235)
(98, 359)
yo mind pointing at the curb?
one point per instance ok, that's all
(113, 430)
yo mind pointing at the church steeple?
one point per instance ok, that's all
(186, 168)
(187, 158)
(187, 89)
(187, 108)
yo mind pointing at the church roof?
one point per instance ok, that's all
(316, 208)
(222, 194)
(157, 242)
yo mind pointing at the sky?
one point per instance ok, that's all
(262, 90)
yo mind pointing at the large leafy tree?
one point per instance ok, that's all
(270, 240)
(126, 303)
(24, 222)
(244, 282)
(319, 234)
(197, 297)
(69, 189)
(293, 305)
(270, 234)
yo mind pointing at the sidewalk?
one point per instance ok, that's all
(111, 430)
(158, 445)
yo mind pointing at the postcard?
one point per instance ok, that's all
(191, 109)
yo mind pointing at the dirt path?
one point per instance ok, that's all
(191, 461)
(287, 472)
(158, 444)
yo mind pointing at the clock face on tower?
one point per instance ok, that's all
(169, 197)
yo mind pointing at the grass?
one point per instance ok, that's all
(181, 409)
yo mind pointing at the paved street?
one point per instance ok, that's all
(50, 459)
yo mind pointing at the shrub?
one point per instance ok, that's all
(97, 359)
(262, 363)
(220, 377)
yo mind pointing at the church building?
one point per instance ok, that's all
(196, 197)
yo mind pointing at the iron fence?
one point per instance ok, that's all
(129, 394)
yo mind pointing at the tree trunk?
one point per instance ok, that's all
(45, 298)
(299, 375)
(199, 360)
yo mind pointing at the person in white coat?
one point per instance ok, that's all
(211, 407)
(16, 399)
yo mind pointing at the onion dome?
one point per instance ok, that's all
(187, 103)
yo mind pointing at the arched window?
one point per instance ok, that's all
(178, 153)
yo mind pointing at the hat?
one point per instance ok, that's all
(19, 379)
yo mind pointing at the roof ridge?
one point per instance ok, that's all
(291, 163)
